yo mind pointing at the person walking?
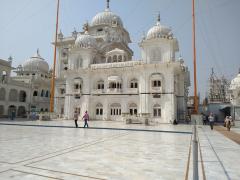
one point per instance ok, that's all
(86, 119)
(76, 118)
(211, 120)
(228, 123)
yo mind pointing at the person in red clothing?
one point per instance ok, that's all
(86, 119)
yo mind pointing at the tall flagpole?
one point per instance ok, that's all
(54, 64)
(194, 59)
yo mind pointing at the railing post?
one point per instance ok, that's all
(195, 152)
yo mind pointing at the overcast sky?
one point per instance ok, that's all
(26, 25)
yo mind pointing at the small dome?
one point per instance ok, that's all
(35, 63)
(106, 18)
(85, 40)
(235, 83)
(158, 31)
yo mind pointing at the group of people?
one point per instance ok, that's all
(85, 118)
(211, 119)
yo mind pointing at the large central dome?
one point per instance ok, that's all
(106, 17)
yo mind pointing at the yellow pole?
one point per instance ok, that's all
(194, 59)
(54, 64)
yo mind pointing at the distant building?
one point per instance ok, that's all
(218, 89)
(28, 90)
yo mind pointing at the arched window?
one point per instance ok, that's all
(35, 93)
(156, 110)
(156, 83)
(21, 111)
(115, 58)
(133, 109)
(99, 109)
(112, 85)
(77, 83)
(42, 93)
(115, 109)
(134, 83)
(100, 84)
(13, 95)
(46, 95)
(22, 96)
(12, 110)
(120, 58)
(2, 94)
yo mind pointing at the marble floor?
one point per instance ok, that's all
(55, 150)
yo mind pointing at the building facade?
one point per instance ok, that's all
(28, 91)
(218, 89)
(235, 98)
(95, 72)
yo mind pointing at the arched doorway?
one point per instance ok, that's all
(21, 111)
(133, 109)
(115, 111)
(99, 111)
(12, 111)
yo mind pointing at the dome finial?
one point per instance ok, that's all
(158, 17)
(37, 51)
(239, 71)
(108, 1)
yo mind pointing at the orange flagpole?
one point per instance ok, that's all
(54, 64)
(194, 59)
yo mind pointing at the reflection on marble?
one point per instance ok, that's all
(70, 153)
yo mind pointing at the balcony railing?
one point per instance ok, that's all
(114, 90)
(98, 91)
(156, 89)
(132, 90)
(76, 91)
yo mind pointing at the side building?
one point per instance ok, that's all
(234, 90)
(28, 91)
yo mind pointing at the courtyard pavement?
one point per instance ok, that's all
(112, 150)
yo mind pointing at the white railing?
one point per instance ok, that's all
(132, 90)
(76, 91)
(98, 91)
(117, 64)
(114, 90)
(156, 89)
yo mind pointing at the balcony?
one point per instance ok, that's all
(114, 90)
(37, 99)
(132, 90)
(76, 91)
(156, 89)
(98, 91)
